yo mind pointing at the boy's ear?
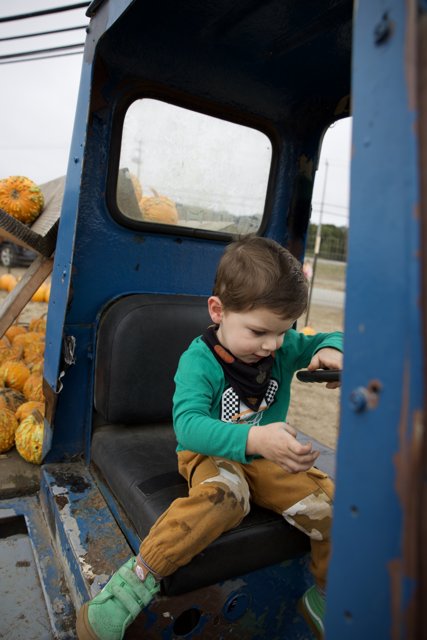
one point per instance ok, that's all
(215, 309)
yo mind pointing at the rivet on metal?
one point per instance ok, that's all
(363, 398)
(359, 399)
(383, 30)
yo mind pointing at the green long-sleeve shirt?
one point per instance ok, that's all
(209, 418)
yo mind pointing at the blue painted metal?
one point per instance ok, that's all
(371, 580)
(62, 269)
(89, 540)
(137, 260)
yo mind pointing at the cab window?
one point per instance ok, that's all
(187, 169)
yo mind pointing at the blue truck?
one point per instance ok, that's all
(195, 123)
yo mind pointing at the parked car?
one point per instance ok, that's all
(13, 255)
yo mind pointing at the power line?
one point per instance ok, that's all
(331, 213)
(45, 12)
(331, 204)
(338, 165)
(43, 33)
(12, 56)
(55, 55)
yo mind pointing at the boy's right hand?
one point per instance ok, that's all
(277, 442)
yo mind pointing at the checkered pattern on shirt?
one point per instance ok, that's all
(271, 392)
(230, 403)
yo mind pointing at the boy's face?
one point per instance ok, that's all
(249, 335)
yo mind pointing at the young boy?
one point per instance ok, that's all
(234, 446)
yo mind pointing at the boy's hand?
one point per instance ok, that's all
(327, 358)
(277, 442)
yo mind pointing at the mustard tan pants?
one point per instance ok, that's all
(219, 497)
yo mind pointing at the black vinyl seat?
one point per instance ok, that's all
(139, 342)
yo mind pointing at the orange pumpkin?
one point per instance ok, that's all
(15, 330)
(14, 352)
(308, 331)
(158, 209)
(5, 347)
(37, 366)
(7, 282)
(11, 398)
(8, 427)
(40, 294)
(33, 352)
(21, 198)
(23, 339)
(33, 387)
(29, 437)
(26, 408)
(38, 325)
(14, 374)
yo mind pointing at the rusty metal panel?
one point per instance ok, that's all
(86, 534)
(373, 575)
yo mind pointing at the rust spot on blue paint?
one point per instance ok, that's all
(73, 482)
(61, 501)
(23, 563)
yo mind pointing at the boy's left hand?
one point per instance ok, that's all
(327, 358)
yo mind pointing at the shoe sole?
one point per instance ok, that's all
(302, 609)
(83, 628)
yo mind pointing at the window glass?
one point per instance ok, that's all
(179, 167)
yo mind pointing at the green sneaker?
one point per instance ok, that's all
(108, 615)
(312, 605)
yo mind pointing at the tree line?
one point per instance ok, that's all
(334, 242)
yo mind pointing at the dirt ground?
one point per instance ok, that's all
(315, 409)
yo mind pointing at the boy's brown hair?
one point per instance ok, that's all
(258, 272)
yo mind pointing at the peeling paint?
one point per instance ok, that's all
(408, 463)
(74, 482)
(61, 501)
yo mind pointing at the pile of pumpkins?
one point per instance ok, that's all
(8, 282)
(22, 402)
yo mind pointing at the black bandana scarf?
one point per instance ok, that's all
(249, 381)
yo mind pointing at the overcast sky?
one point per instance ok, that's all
(39, 97)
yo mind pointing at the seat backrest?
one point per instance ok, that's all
(139, 342)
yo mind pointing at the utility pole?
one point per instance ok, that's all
(317, 243)
(137, 158)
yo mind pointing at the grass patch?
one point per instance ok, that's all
(330, 275)
(330, 270)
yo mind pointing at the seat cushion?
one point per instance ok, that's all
(140, 339)
(139, 465)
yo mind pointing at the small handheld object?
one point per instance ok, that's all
(319, 375)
